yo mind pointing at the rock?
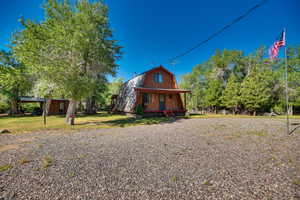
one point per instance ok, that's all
(4, 131)
(271, 114)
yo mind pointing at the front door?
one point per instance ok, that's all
(162, 102)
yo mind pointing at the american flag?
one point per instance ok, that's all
(274, 50)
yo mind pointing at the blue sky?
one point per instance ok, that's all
(152, 32)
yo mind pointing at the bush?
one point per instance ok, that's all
(139, 110)
(278, 109)
(30, 107)
(4, 107)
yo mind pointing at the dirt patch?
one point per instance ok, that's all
(8, 147)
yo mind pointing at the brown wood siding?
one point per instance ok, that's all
(173, 103)
(54, 107)
(168, 80)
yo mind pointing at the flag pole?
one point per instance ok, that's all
(286, 89)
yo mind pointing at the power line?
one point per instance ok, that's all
(248, 12)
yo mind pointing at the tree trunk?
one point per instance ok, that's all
(291, 112)
(14, 107)
(90, 105)
(47, 107)
(70, 116)
(254, 113)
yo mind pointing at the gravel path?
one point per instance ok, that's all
(187, 159)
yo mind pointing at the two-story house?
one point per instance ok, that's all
(155, 91)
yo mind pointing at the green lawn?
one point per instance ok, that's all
(101, 120)
(26, 124)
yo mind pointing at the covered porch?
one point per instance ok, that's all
(162, 101)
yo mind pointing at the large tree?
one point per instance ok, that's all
(70, 48)
(231, 98)
(212, 95)
(255, 90)
(14, 80)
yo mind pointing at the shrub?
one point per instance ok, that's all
(279, 109)
(4, 107)
(30, 107)
(139, 110)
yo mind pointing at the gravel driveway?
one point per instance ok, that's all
(212, 158)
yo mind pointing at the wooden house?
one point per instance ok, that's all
(154, 91)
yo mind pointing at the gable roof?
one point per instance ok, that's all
(150, 70)
(159, 67)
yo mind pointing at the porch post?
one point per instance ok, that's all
(184, 101)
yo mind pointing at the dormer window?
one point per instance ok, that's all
(158, 77)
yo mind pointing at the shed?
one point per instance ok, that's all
(57, 106)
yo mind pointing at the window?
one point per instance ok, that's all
(147, 98)
(158, 77)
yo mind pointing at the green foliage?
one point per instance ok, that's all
(213, 94)
(14, 78)
(70, 47)
(255, 90)
(29, 107)
(241, 82)
(139, 109)
(5, 167)
(232, 98)
(112, 88)
(4, 106)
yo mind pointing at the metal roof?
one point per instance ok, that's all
(37, 99)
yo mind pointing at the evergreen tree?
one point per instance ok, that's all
(231, 97)
(255, 90)
(213, 93)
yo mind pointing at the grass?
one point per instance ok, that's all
(236, 135)
(47, 161)
(207, 183)
(257, 133)
(296, 182)
(25, 124)
(5, 167)
(24, 161)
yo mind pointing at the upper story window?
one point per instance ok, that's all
(158, 78)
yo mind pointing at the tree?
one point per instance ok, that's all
(112, 88)
(96, 96)
(194, 81)
(231, 98)
(70, 48)
(46, 89)
(293, 54)
(255, 90)
(213, 93)
(14, 80)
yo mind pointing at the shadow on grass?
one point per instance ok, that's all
(5, 116)
(83, 115)
(131, 121)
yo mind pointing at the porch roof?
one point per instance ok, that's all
(36, 99)
(162, 90)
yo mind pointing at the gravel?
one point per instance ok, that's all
(215, 158)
